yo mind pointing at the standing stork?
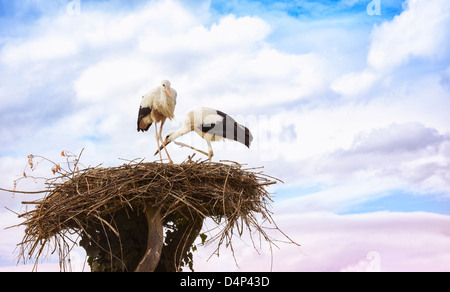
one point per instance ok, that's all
(211, 125)
(156, 106)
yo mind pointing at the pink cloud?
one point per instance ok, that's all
(382, 241)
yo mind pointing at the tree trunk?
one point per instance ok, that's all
(178, 242)
(155, 240)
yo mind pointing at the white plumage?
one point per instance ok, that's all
(156, 106)
(211, 125)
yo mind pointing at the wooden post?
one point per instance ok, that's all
(155, 240)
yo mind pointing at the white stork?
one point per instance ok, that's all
(156, 106)
(211, 125)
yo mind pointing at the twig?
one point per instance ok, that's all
(23, 192)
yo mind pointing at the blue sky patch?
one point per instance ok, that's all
(403, 201)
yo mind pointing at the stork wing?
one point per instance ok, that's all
(141, 125)
(228, 128)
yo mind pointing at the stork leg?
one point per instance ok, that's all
(157, 142)
(184, 145)
(210, 151)
(160, 132)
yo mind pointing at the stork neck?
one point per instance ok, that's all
(165, 105)
(163, 96)
(180, 132)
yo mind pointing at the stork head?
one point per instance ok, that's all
(165, 87)
(167, 140)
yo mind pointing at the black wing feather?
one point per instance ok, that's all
(228, 128)
(143, 112)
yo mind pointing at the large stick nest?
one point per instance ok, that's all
(222, 191)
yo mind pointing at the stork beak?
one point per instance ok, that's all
(161, 148)
(168, 92)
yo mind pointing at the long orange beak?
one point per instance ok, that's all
(168, 92)
(162, 147)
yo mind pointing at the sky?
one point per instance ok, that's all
(347, 101)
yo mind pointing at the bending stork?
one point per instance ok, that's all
(157, 106)
(211, 125)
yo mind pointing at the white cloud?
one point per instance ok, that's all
(398, 138)
(408, 156)
(421, 31)
(42, 49)
(112, 79)
(200, 40)
(355, 84)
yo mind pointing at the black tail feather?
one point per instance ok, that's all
(230, 129)
(245, 133)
